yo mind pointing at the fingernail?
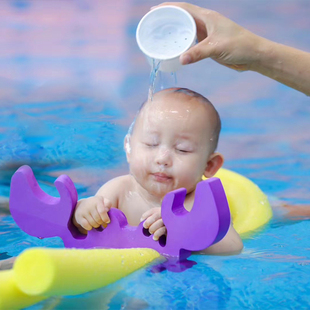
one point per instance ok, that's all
(185, 59)
(108, 221)
(155, 238)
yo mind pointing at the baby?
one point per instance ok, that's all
(170, 145)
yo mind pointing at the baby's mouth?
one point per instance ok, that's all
(161, 177)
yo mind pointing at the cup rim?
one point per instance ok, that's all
(190, 42)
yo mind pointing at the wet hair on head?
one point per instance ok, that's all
(217, 128)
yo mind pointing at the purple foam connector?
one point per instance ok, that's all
(43, 216)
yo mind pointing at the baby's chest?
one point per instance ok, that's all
(133, 207)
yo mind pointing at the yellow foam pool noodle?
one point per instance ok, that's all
(249, 206)
(50, 272)
(11, 297)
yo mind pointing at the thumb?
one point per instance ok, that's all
(198, 52)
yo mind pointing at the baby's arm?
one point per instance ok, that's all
(92, 212)
(230, 244)
(7, 263)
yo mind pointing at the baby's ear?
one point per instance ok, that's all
(215, 162)
(127, 147)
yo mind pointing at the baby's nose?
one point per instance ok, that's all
(163, 157)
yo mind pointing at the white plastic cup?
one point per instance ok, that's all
(164, 34)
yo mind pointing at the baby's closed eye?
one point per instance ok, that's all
(150, 144)
(184, 148)
(182, 151)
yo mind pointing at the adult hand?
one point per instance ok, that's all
(220, 39)
(237, 48)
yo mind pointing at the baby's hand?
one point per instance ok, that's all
(91, 213)
(154, 223)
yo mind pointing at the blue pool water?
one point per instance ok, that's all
(71, 80)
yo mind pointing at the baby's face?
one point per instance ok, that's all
(170, 144)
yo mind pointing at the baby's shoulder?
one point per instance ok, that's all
(116, 188)
(120, 183)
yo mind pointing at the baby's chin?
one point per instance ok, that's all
(159, 190)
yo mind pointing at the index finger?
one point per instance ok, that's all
(103, 213)
(103, 206)
(147, 214)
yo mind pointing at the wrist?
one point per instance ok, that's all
(265, 57)
(260, 53)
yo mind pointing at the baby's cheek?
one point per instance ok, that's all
(139, 164)
(142, 158)
(188, 173)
